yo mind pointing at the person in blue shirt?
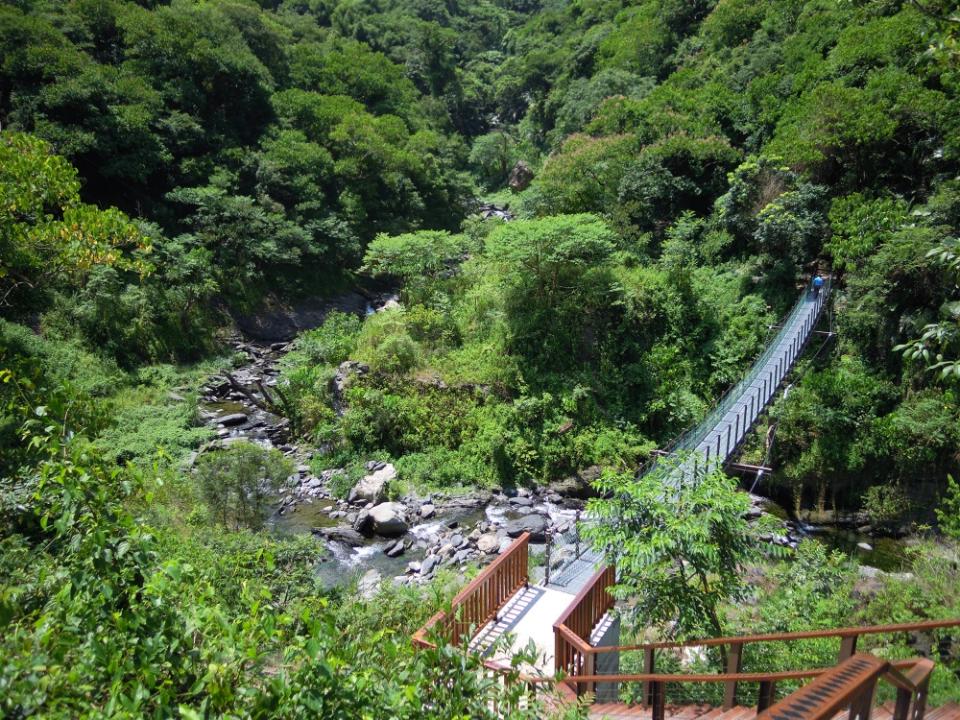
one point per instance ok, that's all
(817, 284)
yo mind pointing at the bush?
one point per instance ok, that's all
(330, 344)
(886, 506)
(385, 343)
(238, 482)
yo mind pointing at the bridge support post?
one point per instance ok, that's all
(546, 571)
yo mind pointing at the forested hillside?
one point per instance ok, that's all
(673, 173)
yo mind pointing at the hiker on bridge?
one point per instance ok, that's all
(817, 284)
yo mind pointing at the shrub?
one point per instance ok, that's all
(329, 344)
(237, 483)
(886, 505)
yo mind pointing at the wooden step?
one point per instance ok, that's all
(950, 711)
(739, 713)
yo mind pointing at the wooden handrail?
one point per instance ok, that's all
(575, 657)
(847, 632)
(728, 677)
(593, 597)
(571, 632)
(480, 600)
(848, 685)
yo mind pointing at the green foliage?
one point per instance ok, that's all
(550, 268)
(418, 259)
(493, 156)
(239, 481)
(860, 225)
(937, 345)
(811, 590)
(723, 151)
(885, 505)
(386, 344)
(139, 433)
(948, 514)
(46, 234)
(680, 549)
(329, 344)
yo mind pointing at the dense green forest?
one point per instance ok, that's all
(170, 168)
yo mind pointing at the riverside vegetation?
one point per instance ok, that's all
(170, 168)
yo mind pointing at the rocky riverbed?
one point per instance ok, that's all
(372, 531)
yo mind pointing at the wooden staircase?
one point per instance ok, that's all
(618, 711)
(845, 691)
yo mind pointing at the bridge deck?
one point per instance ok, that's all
(527, 616)
(734, 417)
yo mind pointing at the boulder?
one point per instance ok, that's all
(232, 419)
(369, 584)
(372, 488)
(428, 564)
(395, 549)
(427, 510)
(346, 535)
(488, 543)
(520, 177)
(388, 520)
(536, 525)
(360, 521)
(579, 485)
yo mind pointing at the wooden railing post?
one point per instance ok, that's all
(649, 665)
(920, 700)
(766, 695)
(589, 666)
(862, 705)
(901, 711)
(734, 662)
(848, 646)
(658, 701)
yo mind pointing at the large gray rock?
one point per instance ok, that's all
(372, 488)
(429, 564)
(536, 525)
(488, 543)
(369, 584)
(520, 177)
(276, 321)
(388, 520)
(345, 535)
(232, 419)
(579, 485)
